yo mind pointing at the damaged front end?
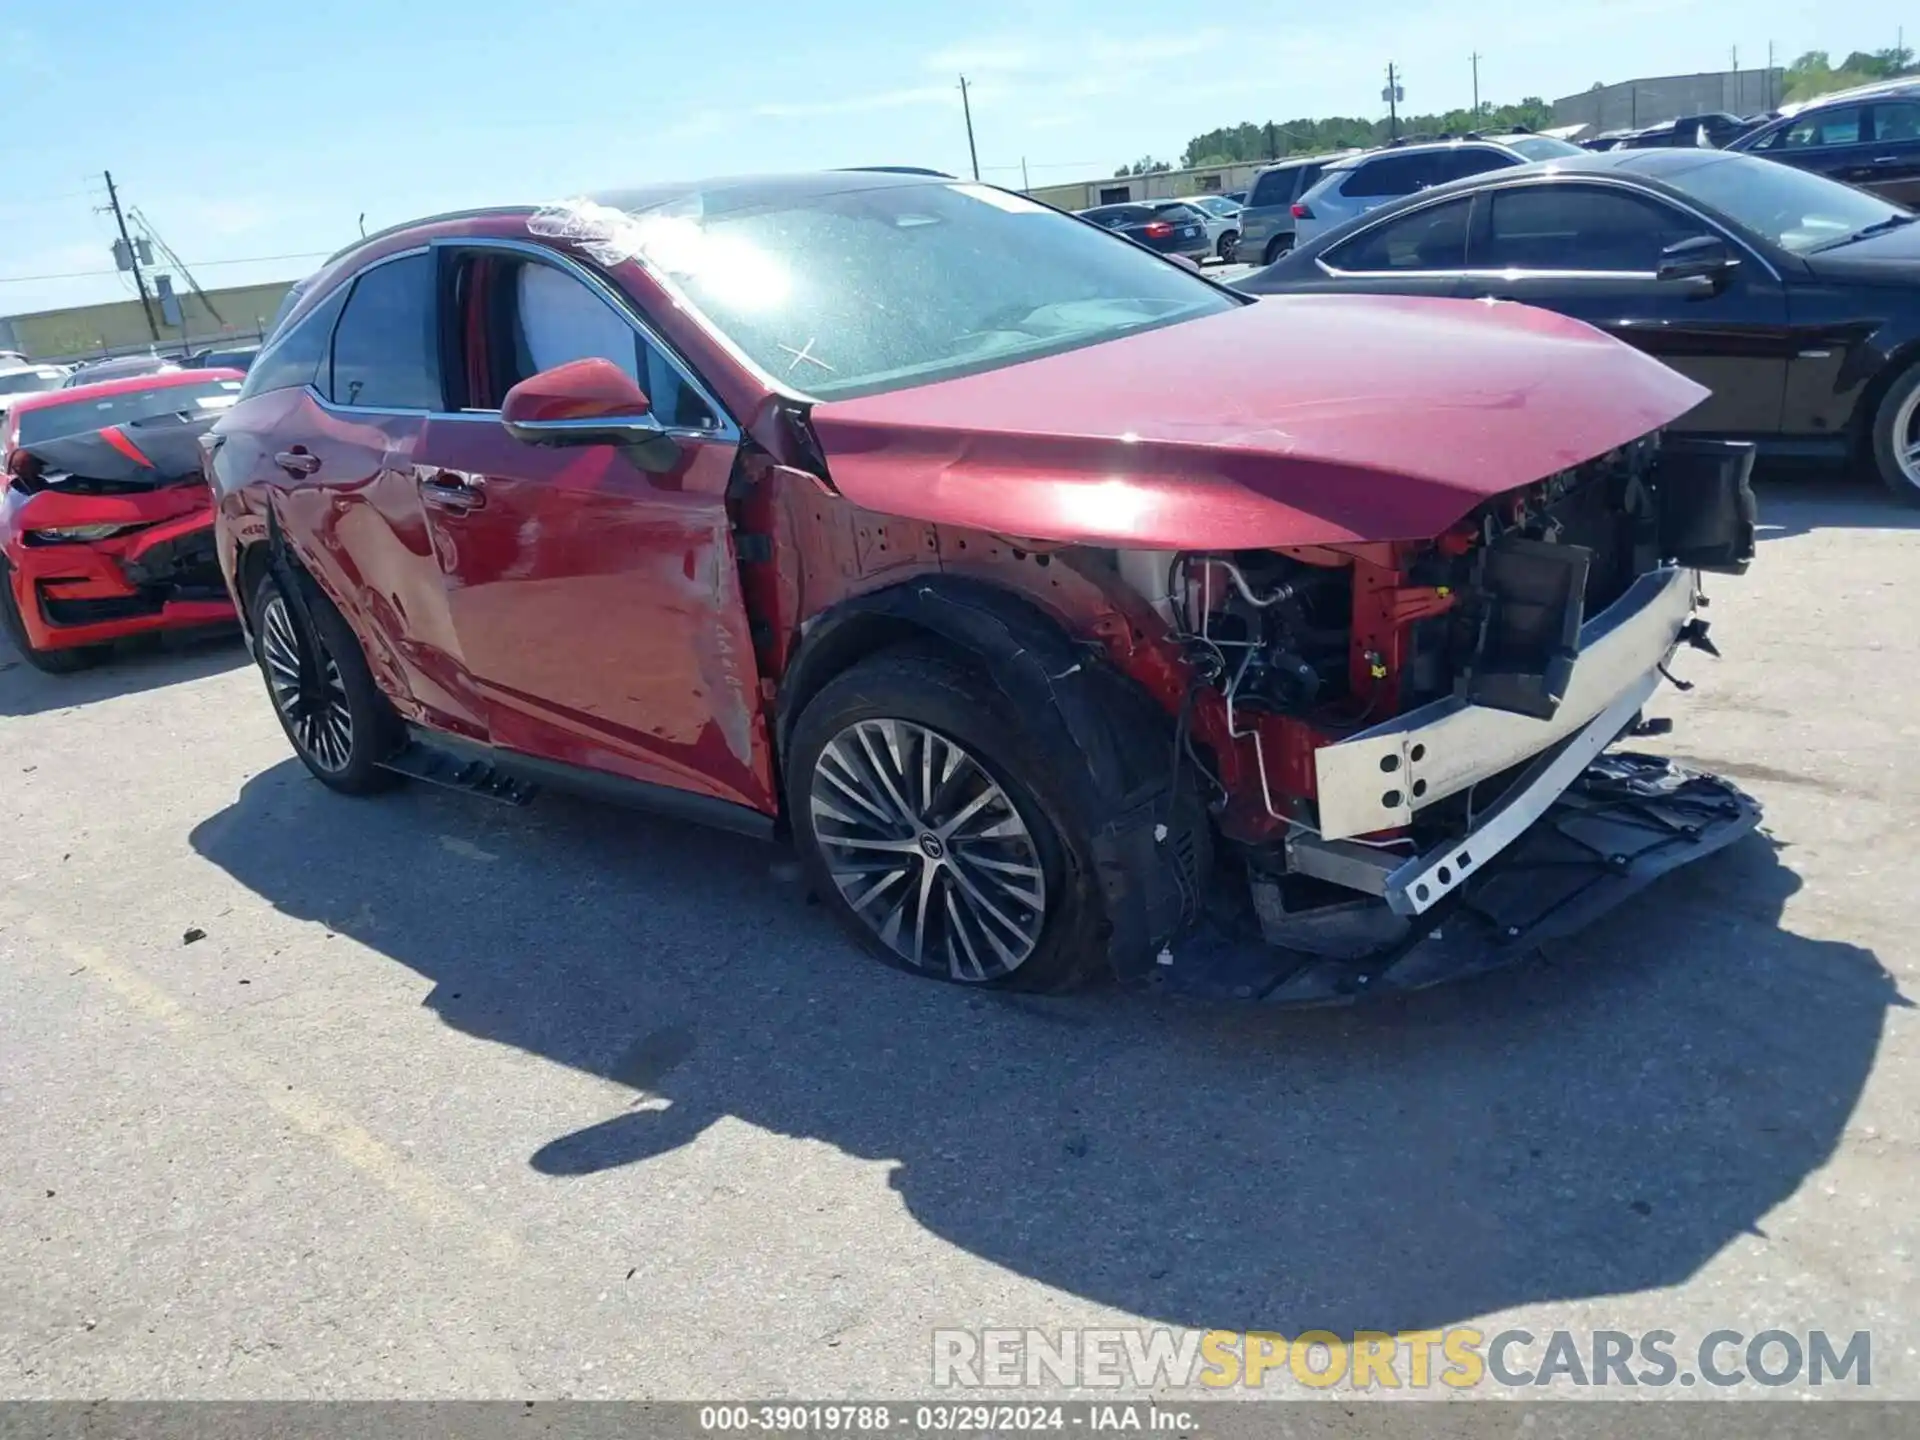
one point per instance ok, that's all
(1407, 744)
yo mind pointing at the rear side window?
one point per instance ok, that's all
(1183, 214)
(1274, 187)
(1391, 175)
(1113, 215)
(297, 356)
(384, 349)
(1433, 238)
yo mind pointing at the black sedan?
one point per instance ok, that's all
(1170, 229)
(1794, 299)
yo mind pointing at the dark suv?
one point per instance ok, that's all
(1871, 140)
(1266, 220)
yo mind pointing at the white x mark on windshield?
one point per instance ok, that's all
(805, 352)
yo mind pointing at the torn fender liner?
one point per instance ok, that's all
(1628, 820)
(1150, 842)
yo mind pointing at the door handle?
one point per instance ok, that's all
(297, 461)
(444, 490)
(1886, 159)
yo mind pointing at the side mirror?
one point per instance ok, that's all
(584, 402)
(1186, 260)
(1702, 258)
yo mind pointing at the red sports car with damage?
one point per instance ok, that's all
(1069, 612)
(106, 522)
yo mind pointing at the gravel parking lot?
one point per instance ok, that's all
(450, 1099)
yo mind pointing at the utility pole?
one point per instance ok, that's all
(966, 108)
(133, 256)
(1476, 87)
(1273, 150)
(1769, 87)
(1392, 95)
(1026, 185)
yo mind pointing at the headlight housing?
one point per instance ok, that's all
(77, 534)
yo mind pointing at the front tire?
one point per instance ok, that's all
(334, 716)
(1896, 437)
(930, 822)
(49, 662)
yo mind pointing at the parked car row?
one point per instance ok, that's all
(1792, 299)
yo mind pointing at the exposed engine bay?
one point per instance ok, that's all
(1421, 714)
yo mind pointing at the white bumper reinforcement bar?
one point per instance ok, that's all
(1378, 779)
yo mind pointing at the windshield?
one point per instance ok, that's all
(77, 417)
(880, 287)
(1795, 209)
(22, 382)
(1541, 147)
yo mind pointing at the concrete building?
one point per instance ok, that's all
(1660, 98)
(1165, 185)
(119, 327)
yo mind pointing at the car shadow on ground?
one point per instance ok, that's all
(146, 663)
(1604, 1121)
(1796, 501)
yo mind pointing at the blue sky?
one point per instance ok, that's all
(268, 128)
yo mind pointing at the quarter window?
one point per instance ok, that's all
(1434, 238)
(1576, 227)
(384, 351)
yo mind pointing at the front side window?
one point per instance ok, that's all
(878, 287)
(1432, 238)
(542, 317)
(1579, 227)
(1274, 187)
(384, 351)
(1470, 160)
(1897, 120)
(296, 355)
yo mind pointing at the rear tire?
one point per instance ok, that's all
(64, 661)
(344, 728)
(1896, 437)
(1229, 243)
(930, 821)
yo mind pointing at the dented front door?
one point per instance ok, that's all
(598, 606)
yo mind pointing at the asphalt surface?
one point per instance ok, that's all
(452, 1099)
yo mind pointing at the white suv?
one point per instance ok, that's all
(1352, 187)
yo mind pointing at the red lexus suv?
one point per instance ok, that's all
(1068, 612)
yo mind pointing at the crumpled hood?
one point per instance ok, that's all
(1297, 420)
(145, 453)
